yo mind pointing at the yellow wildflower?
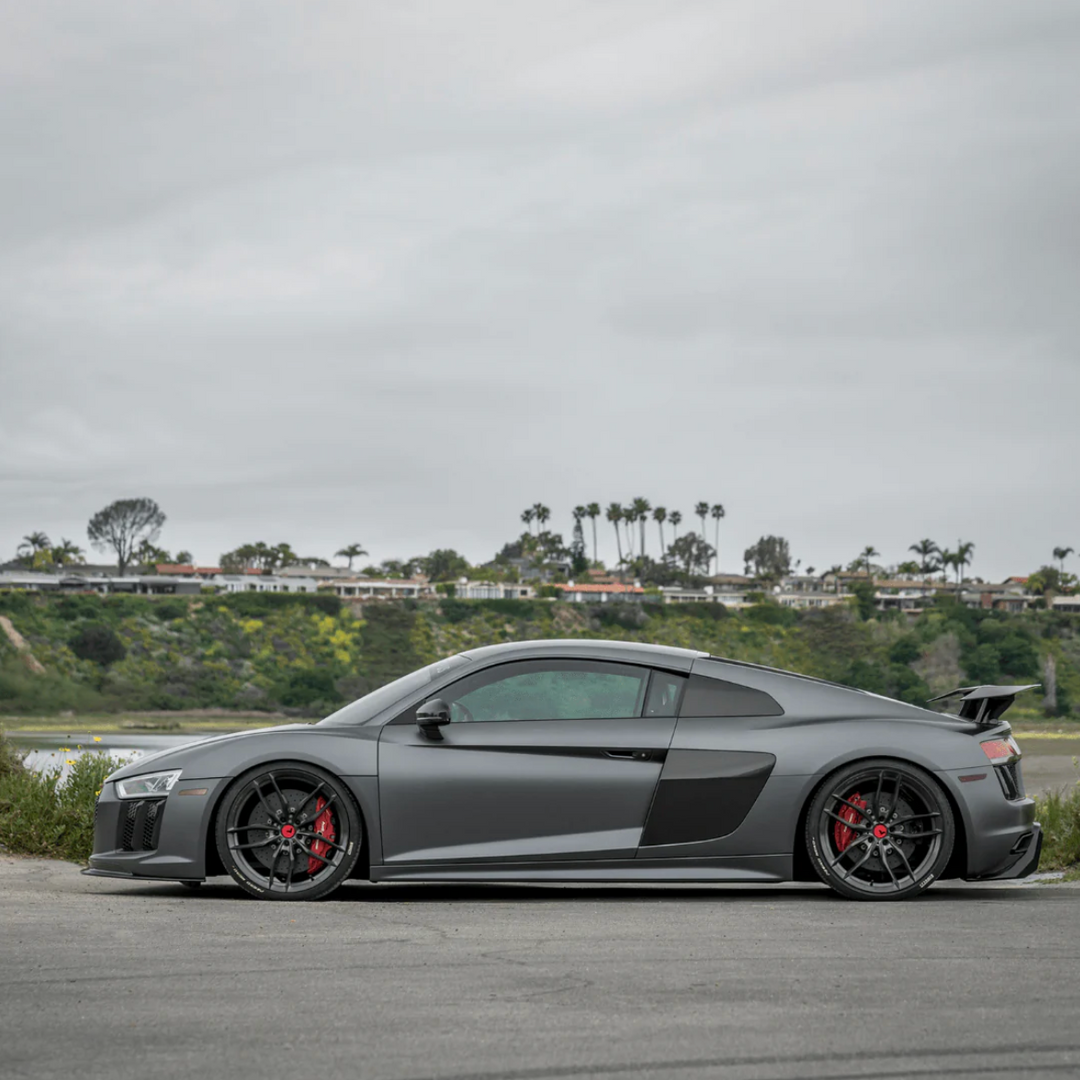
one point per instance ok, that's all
(71, 761)
(97, 738)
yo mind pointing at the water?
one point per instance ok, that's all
(46, 751)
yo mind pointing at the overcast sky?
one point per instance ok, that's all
(390, 272)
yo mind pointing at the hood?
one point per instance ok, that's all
(176, 755)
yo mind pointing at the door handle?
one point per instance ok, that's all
(629, 755)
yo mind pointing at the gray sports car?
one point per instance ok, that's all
(587, 761)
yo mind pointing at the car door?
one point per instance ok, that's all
(542, 759)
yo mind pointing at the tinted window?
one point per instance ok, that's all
(715, 697)
(664, 693)
(548, 690)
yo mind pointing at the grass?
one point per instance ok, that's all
(1059, 815)
(42, 817)
(98, 723)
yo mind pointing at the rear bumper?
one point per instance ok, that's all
(1021, 863)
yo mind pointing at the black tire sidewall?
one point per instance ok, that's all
(837, 778)
(348, 806)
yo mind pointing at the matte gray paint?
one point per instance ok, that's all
(429, 808)
(504, 790)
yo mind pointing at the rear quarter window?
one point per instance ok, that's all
(716, 697)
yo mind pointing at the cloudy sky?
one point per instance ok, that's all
(390, 272)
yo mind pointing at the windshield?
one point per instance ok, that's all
(370, 705)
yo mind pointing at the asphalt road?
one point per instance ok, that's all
(109, 979)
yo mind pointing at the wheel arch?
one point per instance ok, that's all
(212, 864)
(802, 870)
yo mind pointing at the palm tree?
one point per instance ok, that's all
(717, 513)
(964, 551)
(675, 517)
(629, 516)
(592, 511)
(32, 544)
(641, 512)
(869, 552)
(615, 515)
(527, 516)
(948, 558)
(926, 550)
(542, 514)
(1061, 554)
(353, 551)
(67, 551)
(702, 510)
(660, 516)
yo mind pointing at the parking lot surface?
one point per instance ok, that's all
(113, 979)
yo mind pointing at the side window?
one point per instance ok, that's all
(549, 690)
(665, 690)
(715, 697)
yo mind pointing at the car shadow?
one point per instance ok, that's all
(357, 892)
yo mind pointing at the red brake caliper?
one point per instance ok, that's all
(324, 826)
(843, 834)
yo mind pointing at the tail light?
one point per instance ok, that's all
(1001, 751)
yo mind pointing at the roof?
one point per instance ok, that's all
(180, 569)
(592, 588)
(626, 650)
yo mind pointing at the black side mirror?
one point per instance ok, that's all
(431, 716)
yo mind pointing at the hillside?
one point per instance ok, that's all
(307, 654)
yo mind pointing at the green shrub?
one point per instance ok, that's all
(43, 817)
(25, 694)
(167, 610)
(15, 602)
(77, 607)
(98, 644)
(254, 605)
(1059, 814)
(618, 613)
(770, 614)
(905, 650)
(307, 687)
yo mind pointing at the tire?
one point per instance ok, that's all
(879, 830)
(288, 831)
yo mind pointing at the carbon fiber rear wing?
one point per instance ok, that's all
(985, 704)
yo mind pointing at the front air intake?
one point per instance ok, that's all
(140, 824)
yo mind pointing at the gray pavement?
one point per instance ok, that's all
(111, 979)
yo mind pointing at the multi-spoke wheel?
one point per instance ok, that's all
(288, 832)
(879, 830)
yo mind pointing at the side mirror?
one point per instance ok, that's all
(431, 716)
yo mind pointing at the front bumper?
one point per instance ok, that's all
(166, 842)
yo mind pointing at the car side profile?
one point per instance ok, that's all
(587, 761)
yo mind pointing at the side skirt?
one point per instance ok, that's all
(761, 868)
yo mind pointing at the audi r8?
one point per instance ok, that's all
(587, 761)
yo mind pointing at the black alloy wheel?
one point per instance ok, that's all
(288, 832)
(880, 830)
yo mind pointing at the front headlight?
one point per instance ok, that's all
(147, 785)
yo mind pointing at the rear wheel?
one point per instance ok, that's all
(879, 830)
(288, 832)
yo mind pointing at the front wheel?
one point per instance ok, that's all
(288, 832)
(880, 830)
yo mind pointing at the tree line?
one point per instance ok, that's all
(129, 529)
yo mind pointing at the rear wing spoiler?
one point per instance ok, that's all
(985, 704)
